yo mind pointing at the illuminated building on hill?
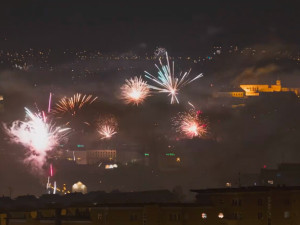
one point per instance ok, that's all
(255, 89)
(91, 157)
(250, 90)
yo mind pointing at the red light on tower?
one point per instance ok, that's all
(265, 166)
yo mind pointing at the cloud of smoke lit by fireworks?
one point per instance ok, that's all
(107, 127)
(135, 91)
(190, 124)
(37, 135)
(166, 80)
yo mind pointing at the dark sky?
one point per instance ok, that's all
(119, 25)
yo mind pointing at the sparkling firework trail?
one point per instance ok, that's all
(49, 104)
(54, 189)
(191, 105)
(167, 82)
(69, 108)
(107, 127)
(135, 91)
(74, 104)
(190, 124)
(37, 135)
(159, 51)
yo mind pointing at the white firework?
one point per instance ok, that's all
(167, 82)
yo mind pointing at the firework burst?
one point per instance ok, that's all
(107, 127)
(159, 51)
(37, 135)
(190, 124)
(167, 82)
(69, 108)
(135, 91)
(74, 104)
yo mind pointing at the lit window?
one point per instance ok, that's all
(221, 215)
(204, 215)
(177, 159)
(286, 214)
(270, 182)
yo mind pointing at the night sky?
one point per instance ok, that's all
(119, 26)
(264, 132)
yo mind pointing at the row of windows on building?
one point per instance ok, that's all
(238, 202)
(236, 216)
(103, 153)
(220, 215)
(175, 216)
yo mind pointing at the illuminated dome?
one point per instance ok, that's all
(79, 187)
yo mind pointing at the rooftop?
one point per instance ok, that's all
(247, 189)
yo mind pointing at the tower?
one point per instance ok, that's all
(278, 82)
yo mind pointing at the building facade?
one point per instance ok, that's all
(91, 157)
(250, 90)
(227, 206)
(254, 205)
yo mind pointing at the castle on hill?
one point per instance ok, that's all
(249, 90)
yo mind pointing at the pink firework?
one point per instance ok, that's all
(135, 91)
(190, 124)
(37, 135)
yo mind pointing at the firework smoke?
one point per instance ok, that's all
(167, 82)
